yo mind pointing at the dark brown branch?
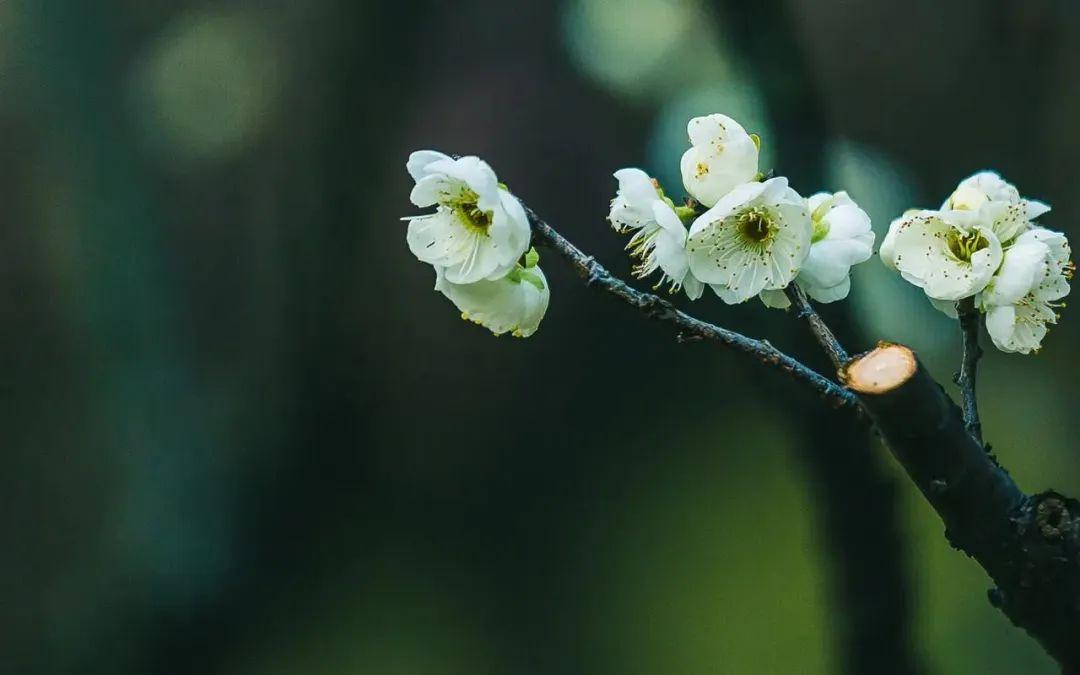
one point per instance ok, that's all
(821, 331)
(689, 328)
(969, 327)
(858, 514)
(1029, 545)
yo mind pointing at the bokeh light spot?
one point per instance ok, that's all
(208, 86)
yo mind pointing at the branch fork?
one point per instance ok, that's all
(1028, 544)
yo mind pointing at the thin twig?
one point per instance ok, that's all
(690, 328)
(969, 328)
(837, 354)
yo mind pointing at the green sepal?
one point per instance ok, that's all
(531, 258)
(520, 274)
(530, 278)
(686, 213)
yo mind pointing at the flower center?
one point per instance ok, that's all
(469, 212)
(964, 245)
(755, 226)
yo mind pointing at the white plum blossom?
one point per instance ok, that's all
(722, 155)
(659, 240)
(885, 251)
(631, 209)
(514, 303)
(995, 203)
(841, 238)
(478, 231)
(983, 245)
(1054, 283)
(947, 256)
(669, 253)
(756, 238)
(1023, 267)
(1019, 328)
(1021, 299)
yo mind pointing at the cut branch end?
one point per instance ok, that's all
(881, 370)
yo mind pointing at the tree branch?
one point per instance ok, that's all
(690, 328)
(969, 327)
(821, 331)
(1029, 545)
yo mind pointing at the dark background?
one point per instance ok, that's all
(241, 433)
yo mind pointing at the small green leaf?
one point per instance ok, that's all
(531, 278)
(686, 213)
(531, 258)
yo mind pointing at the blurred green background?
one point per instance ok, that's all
(242, 435)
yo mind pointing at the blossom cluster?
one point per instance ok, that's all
(755, 235)
(477, 240)
(984, 248)
(745, 234)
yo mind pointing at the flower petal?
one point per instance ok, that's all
(827, 294)
(419, 161)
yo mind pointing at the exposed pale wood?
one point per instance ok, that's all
(881, 370)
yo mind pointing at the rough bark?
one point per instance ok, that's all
(1029, 545)
(969, 329)
(690, 328)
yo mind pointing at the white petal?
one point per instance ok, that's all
(1019, 328)
(827, 294)
(670, 243)
(419, 161)
(818, 200)
(921, 253)
(636, 186)
(847, 220)
(727, 295)
(501, 306)
(510, 229)
(1021, 268)
(1007, 219)
(719, 256)
(671, 257)
(710, 130)
(946, 307)
(1055, 241)
(788, 251)
(992, 185)
(478, 175)
(708, 177)
(829, 262)
(435, 189)
(1000, 322)
(693, 287)
(722, 156)
(438, 239)
(481, 261)
(887, 250)
(739, 197)
(715, 250)
(536, 304)
(1034, 208)
(632, 207)
(776, 190)
(668, 220)
(775, 299)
